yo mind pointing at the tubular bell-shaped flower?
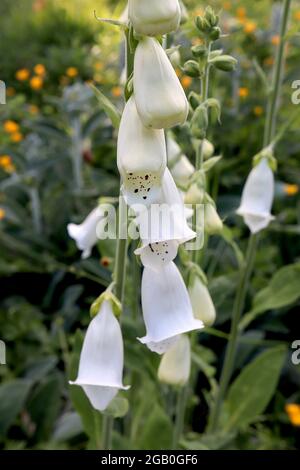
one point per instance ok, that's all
(180, 166)
(175, 365)
(159, 96)
(167, 309)
(163, 227)
(257, 197)
(154, 17)
(141, 157)
(85, 234)
(101, 361)
(202, 303)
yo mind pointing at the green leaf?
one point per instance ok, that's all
(108, 107)
(12, 399)
(251, 392)
(209, 164)
(282, 290)
(157, 433)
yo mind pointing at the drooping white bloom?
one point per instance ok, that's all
(163, 227)
(101, 360)
(257, 197)
(180, 166)
(141, 157)
(175, 365)
(202, 303)
(159, 96)
(167, 308)
(85, 234)
(154, 17)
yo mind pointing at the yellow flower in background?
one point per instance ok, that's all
(72, 72)
(36, 82)
(116, 91)
(186, 81)
(275, 40)
(16, 137)
(269, 61)
(39, 69)
(10, 91)
(2, 213)
(250, 27)
(7, 164)
(291, 189)
(293, 412)
(98, 66)
(243, 92)
(241, 13)
(33, 109)
(297, 15)
(22, 75)
(258, 110)
(11, 126)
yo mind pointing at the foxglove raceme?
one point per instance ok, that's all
(202, 303)
(85, 234)
(154, 17)
(257, 197)
(159, 96)
(175, 365)
(167, 309)
(141, 158)
(101, 360)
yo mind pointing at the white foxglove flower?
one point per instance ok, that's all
(167, 308)
(202, 303)
(212, 221)
(175, 365)
(180, 166)
(85, 234)
(163, 227)
(155, 17)
(101, 360)
(141, 158)
(257, 197)
(159, 96)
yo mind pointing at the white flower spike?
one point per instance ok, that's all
(155, 17)
(163, 227)
(101, 360)
(85, 234)
(175, 365)
(141, 158)
(202, 303)
(159, 96)
(257, 197)
(167, 309)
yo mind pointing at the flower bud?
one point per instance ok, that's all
(180, 166)
(155, 17)
(159, 96)
(202, 304)
(174, 57)
(210, 16)
(208, 149)
(227, 63)
(175, 365)
(199, 122)
(212, 222)
(215, 33)
(194, 195)
(191, 68)
(199, 51)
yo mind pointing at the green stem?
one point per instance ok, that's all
(180, 414)
(77, 154)
(107, 429)
(36, 209)
(246, 272)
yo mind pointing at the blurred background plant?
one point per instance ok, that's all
(58, 156)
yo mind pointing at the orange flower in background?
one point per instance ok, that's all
(36, 82)
(293, 412)
(33, 109)
(258, 110)
(186, 81)
(297, 15)
(243, 92)
(2, 213)
(226, 5)
(10, 91)
(16, 137)
(11, 126)
(275, 40)
(98, 66)
(22, 75)
(39, 69)
(7, 164)
(39, 5)
(291, 189)
(269, 61)
(116, 91)
(241, 13)
(250, 27)
(72, 72)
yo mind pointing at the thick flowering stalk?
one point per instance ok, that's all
(167, 308)
(101, 361)
(175, 365)
(257, 198)
(141, 158)
(85, 234)
(159, 96)
(154, 17)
